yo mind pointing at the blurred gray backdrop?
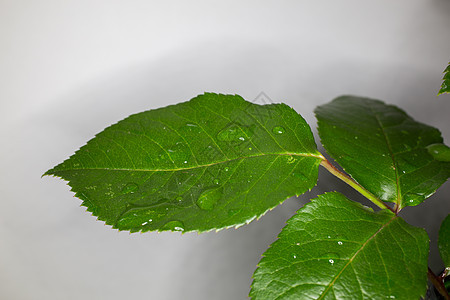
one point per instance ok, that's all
(68, 69)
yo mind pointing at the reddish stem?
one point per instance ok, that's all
(438, 283)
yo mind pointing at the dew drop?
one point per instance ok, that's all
(179, 199)
(194, 128)
(414, 199)
(278, 130)
(173, 226)
(331, 257)
(294, 256)
(226, 169)
(340, 243)
(439, 152)
(135, 218)
(216, 181)
(130, 188)
(209, 198)
(233, 133)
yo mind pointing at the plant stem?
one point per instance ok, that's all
(345, 178)
(438, 284)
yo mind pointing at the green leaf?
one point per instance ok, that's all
(213, 162)
(334, 248)
(445, 87)
(444, 241)
(383, 149)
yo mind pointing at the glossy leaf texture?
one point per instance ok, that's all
(393, 156)
(444, 241)
(334, 248)
(215, 161)
(445, 87)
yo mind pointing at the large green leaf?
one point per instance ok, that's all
(213, 162)
(444, 241)
(445, 87)
(334, 248)
(383, 149)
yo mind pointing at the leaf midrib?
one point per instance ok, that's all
(392, 154)
(318, 156)
(354, 256)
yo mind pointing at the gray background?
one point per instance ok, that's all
(70, 68)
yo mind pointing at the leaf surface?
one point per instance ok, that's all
(215, 161)
(334, 248)
(444, 241)
(393, 156)
(445, 87)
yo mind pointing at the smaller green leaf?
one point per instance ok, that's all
(334, 248)
(445, 88)
(386, 151)
(444, 241)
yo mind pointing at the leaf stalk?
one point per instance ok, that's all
(438, 284)
(345, 178)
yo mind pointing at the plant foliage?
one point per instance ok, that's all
(218, 161)
(334, 248)
(445, 87)
(383, 149)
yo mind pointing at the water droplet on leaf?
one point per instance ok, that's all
(134, 218)
(209, 198)
(278, 130)
(173, 226)
(193, 128)
(130, 187)
(439, 152)
(331, 256)
(234, 133)
(414, 199)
